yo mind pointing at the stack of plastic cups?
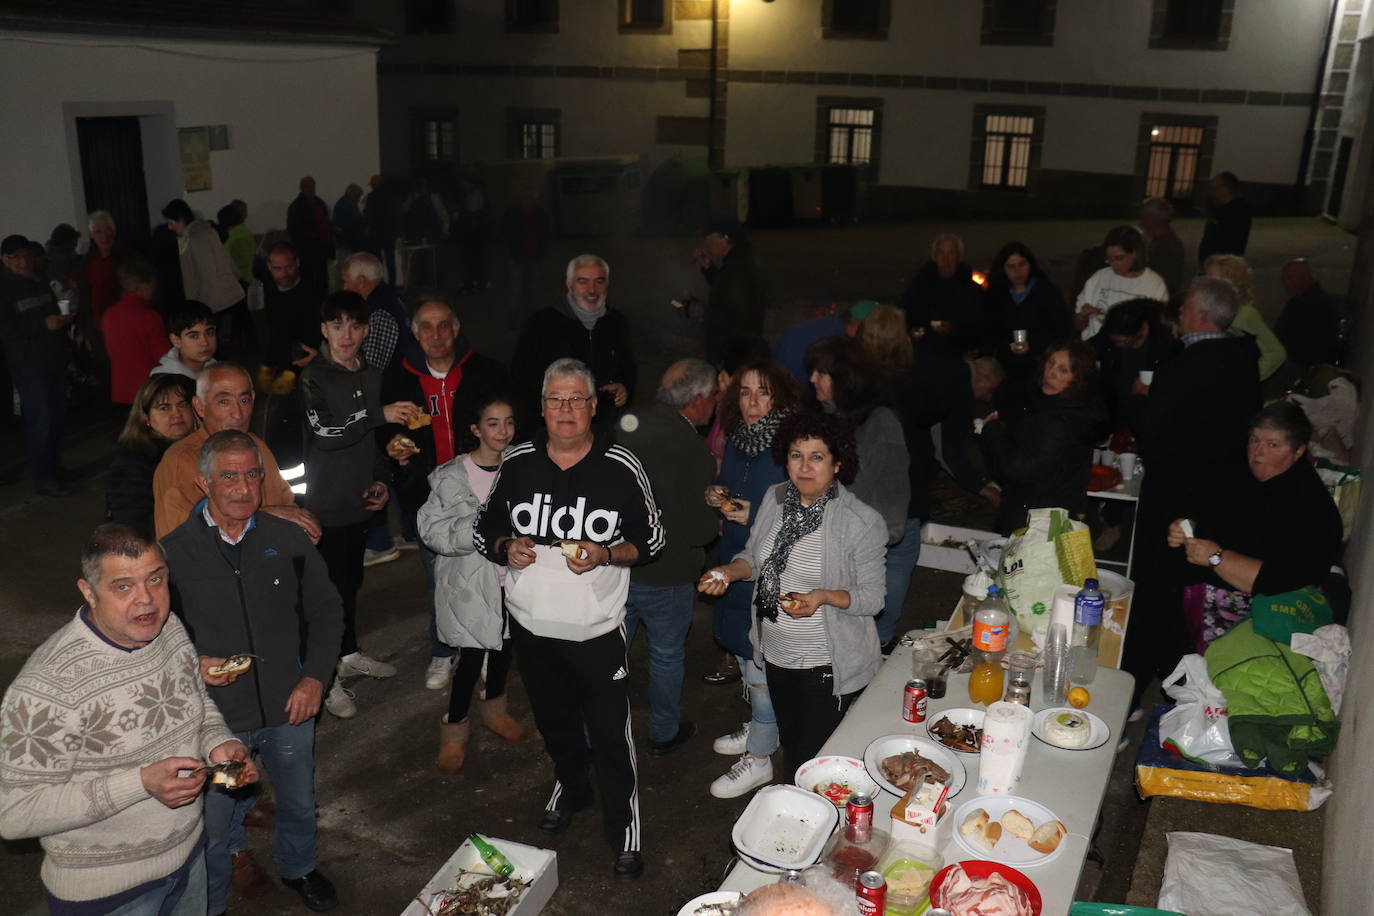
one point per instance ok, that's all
(1056, 678)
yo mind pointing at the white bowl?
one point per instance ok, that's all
(785, 827)
(960, 716)
(888, 745)
(820, 772)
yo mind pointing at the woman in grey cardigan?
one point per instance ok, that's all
(816, 554)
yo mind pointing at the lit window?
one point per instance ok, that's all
(440, 140)
(851, 136)
(538, 140)
(1172, 168)
(1007, 151)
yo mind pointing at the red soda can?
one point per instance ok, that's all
(859, 812)
(872, 894)
(914, 700)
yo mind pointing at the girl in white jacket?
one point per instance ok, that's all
(470, 612)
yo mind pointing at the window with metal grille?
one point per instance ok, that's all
(1171, 171)
(538, 140)
(1015, 16)
(851, 136)
(532, 12)
(643, 13)
(440, 138)
(1192, 20)
(1007, 150)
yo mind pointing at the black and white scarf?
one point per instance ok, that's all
(797, 522)
(759, 437)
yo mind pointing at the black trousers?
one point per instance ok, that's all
(469, 670)
(807, 710)
(579, 690)
(342, 548)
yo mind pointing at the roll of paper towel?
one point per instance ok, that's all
(1006, 736)
(1061, 609)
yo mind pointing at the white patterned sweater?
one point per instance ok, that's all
(76, 726)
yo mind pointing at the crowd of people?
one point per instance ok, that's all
(554, 511)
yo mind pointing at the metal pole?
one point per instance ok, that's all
(711, 128)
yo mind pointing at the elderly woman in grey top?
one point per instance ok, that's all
(816, 554)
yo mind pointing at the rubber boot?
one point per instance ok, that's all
(453, 746)
(496, 719)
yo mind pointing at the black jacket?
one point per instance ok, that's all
(554, 333)
(738, 300)
(1227, 230)
(919, 405)
(1043, 456)
(276, 602)
(129, 486)
(930, 297)
(680, 468)
(1309, 327)
(343, 411)
(30, 347)
(1043, 314)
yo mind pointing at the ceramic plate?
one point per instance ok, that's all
(962, 716)
(888, 745)
(1100, 731)
(690, 908)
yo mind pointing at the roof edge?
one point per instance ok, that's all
(362, 37)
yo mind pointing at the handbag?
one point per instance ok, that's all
(1209, 611)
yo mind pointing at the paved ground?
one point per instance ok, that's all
(388, 819)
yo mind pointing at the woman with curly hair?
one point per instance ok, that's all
(816, 558)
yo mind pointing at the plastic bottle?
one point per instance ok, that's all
(495, 860)
(1087, 631)
(991, 632)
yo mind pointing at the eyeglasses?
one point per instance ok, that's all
(576, 402)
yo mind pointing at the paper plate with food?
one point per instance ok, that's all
(960, 730)
(1009, 829)
(1070, 729)
(980, 886)
(898, 762)
(835, 778)
(716, 903)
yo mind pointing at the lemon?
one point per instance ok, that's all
(1079, 697)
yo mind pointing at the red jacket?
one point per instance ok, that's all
(135, 340)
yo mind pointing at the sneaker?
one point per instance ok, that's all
(376, 557)
(439, 672)
(748, 773)
(359, 665)
(340, 701)
(1136, 714)
(404, 543)
(732, 745)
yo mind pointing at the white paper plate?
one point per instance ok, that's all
(881, 748)
(960, 716)
(1100, 731)
(1010, 850)
(845, 771)
(690, 908)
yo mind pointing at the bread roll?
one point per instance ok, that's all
(419, 420)
(1047, 837)
(1017, 824)
(989, 835)
(975, 822)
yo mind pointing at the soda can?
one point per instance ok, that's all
(938, 911)
(859, 812)
(872, 894)
(914, 700)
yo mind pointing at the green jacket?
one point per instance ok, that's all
(1278, 707)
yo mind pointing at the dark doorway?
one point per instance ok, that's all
(112, 174)
(1333, 202)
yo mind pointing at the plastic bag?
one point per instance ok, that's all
(1030, 570)
(1329, 649)
(1210, 875)
(1196, 728)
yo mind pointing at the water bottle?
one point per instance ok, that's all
(494, 858)
(1087, 630)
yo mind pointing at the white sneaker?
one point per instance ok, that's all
(340, 701)
(439, 672)
(748, 773)
(374, 557)
(401, 543)
(359, 665)
(732, 745)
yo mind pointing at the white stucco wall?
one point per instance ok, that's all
(291, 111)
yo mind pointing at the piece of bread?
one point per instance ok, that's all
(989, 835)
(728, 505)
(1047, 837)
(419, 420)
(975, 822)
(234, 664)
(1017, 824)
(572, 549)
(788, 603)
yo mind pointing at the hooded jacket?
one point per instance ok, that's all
(343, 410)
(171, 364)
(554, 333)
(467, 590)
(451, 403)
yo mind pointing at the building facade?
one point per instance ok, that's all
(1067, 107)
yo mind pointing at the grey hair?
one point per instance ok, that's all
(1217, 299)
(1287, 418)
(1157, 208)
(569, 367)
(431, 299)
(226, 440)
(945, 237)
(113, 539)
(101, 216)
(697, 379)
(586, 260)
(203, 380)
(365, 264)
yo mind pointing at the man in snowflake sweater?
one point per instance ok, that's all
(101, 737)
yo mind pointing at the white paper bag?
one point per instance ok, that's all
(1210, 875)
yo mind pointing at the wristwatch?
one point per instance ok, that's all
(1215, 559)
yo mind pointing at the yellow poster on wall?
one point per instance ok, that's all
(194, 143)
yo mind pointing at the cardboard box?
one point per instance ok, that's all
(936, 555)
(538, 866)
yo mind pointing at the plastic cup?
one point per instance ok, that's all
(1126, 462)
(1019, 336)
(64, 306)
(1147, 376)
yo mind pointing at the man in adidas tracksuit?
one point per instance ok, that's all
(575, 488)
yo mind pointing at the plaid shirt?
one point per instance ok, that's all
(1199, 336)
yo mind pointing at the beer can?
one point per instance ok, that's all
(859, 812)
(914, 700)
(872, 894)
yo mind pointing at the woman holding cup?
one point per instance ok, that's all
(1023, 313)
(1124, 277)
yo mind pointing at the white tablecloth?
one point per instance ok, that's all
(1069, 783)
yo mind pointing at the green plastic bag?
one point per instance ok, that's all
(1278, 617)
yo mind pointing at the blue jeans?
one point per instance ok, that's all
(666, 611)
(43, 401)
(763, 723)
(172, 896)
(901, 560)
(287, 752)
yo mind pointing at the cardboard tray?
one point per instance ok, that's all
(539, 866)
